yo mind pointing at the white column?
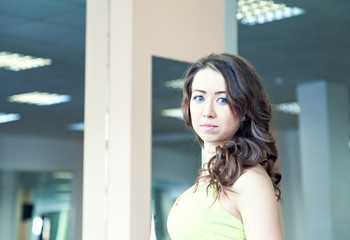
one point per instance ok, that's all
(116, 194)
(292, 203)
(96, 67)
(325, 163)
(8, 199)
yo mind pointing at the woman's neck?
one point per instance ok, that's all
(208, 152)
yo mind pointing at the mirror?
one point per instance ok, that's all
(175, 152)
(42, 64)
(36, 205)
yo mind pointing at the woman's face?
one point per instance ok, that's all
(211, 115)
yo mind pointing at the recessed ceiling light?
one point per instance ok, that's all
(39, 98)
(76, 126)
(174, 84)
(291, 108)
(64, 187)
(173, 112)
(62, 175)
(18, 62)
(251, 12)
(9, 117)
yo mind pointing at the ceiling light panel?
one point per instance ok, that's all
(291, 108)
(251, 12)
(9, 117)
(62, 175)
(39, 98)
(173, 112)
(174, 84)
(17, 62)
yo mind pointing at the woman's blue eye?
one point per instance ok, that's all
(199, 98)
(222, 100)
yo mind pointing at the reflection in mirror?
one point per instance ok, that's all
(35, 205)
(175, 153)
(42, 64)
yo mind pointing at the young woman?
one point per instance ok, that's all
(235, 197)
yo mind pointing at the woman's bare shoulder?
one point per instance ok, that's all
(252, 181)
(257, 204)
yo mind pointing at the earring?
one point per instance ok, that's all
(243, 119)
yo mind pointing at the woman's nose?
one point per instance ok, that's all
(208, 110)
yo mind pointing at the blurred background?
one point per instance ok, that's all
(299, 49)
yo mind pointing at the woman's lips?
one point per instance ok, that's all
(208, 126)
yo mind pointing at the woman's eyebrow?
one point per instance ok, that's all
(201, 91)
(216, 93)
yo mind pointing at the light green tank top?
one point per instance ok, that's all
(198, 217)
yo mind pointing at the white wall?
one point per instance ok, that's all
(33, 153)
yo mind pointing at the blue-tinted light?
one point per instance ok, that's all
(259, 12)
(76, 126)
(9, 117)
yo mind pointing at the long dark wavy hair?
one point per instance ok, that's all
(252, 144)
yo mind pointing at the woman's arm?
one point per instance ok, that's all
(257, 204)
